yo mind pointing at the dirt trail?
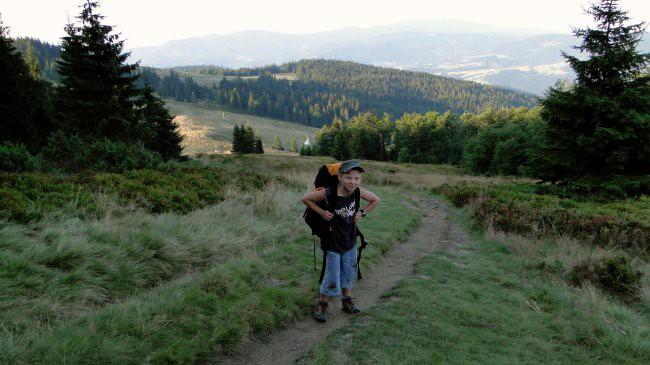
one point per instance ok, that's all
(436, 231)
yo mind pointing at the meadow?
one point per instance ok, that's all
(182, 263)
(208, 128)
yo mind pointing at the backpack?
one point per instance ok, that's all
(327, 178)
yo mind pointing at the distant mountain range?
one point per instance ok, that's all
(515, 58)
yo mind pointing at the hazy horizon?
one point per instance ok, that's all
(195, 18)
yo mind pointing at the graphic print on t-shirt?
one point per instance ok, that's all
(346, 212)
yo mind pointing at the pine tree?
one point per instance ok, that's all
(236, 139)
(277, 144)
(259, 148)
(248, 140)
(97, 93)
(162, 132)
(601, 125)
(24, 101)
(294, 145)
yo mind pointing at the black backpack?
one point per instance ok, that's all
(327, 178)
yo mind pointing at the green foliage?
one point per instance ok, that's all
(73, 153)
(160, 133)
(277, 144)
(96, 95)
(522, 209)
(170, 188)
(326, 90)
(600, 126)
(244, 140)
(613, 274)
(294, 145)
(24, 101)
(44, 53)
(508, 143)
(16, 158)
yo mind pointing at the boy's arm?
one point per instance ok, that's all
(310, 200)
(371, 198)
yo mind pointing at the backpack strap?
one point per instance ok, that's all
(357, 205)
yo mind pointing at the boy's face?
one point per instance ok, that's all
(350, 180)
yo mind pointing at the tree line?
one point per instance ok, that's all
(591, 136)
(96, 116)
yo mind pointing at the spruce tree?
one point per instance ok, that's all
(259, 148)
(600, 126)
(24, 101)
(161, 131)
(294, 145)
(97, 92)
(236, 139)
(277, 144)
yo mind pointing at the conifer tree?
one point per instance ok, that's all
(248, 140)
(601, 125)
(277, 144)
(97, 91)
(162, 132)
(259, 148)
(236, 139)
(294, 145)
(24, 101)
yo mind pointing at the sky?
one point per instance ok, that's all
(152, 22)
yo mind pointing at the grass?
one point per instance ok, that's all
(518, 208)
(208, 129)
(171, 188)
(492, 302)
(172, 287)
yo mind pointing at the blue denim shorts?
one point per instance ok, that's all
(340, 272)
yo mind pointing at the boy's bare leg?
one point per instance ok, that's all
(347, 292)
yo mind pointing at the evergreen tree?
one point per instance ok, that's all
(249, 140)
(32, 62)
(162, 132)
(24, 101)
(294, 145)
(601, 125)
(259, 148)
(97, 92)
(277, 144)
(236, 139)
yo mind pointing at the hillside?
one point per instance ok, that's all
(315, 92)
(521, 59)
(207, 129)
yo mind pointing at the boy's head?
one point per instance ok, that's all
(350, 174)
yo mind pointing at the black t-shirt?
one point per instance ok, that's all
(344, 229)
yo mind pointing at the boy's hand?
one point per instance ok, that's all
(327, 215)
(357, 217)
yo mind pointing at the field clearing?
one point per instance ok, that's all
(208, 129)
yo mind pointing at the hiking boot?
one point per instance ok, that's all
(348, 305)
(320, 312)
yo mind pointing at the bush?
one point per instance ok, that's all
(519, 208)
(613, 274)
(614, 187)
(72, 153)
(107, 155)
(16, 158)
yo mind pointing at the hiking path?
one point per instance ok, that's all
(436, 232)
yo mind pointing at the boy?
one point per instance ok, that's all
(341, 261)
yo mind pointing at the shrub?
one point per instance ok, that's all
(72, 153)
(16, 158)
(613, 274)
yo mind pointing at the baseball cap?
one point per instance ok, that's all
(349, 165)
